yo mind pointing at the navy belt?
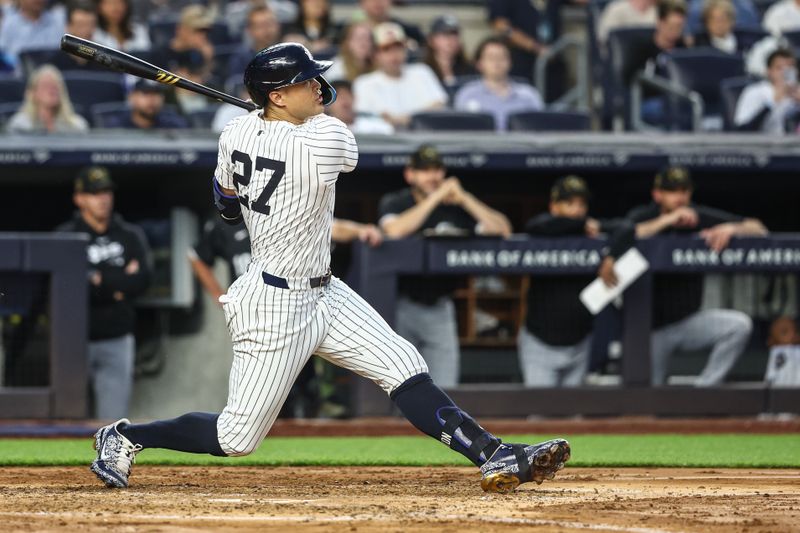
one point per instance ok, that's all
(283, 283)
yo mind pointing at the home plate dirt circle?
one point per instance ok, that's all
(399, 499)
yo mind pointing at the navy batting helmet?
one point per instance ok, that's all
(281, 65)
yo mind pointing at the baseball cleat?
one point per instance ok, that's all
(115, 454)
(512, 464)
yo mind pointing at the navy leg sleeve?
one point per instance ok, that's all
(431, 411)
(192, 432)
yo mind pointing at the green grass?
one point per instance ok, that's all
(729, 450)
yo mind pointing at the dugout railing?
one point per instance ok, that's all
(375, 271)
(55, 266)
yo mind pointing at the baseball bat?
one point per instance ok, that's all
(122, 62)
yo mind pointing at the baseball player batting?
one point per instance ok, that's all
(277, 170)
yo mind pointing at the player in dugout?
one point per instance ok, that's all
(678, 321)
(438, 205)
(555, 340)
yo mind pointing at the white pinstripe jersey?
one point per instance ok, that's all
(285, 176)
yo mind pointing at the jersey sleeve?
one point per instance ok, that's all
(224, 171)
(330, 141)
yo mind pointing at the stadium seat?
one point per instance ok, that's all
(700, 70)
(597, 56)
(745, 37)
(88, 88)
(7, 110)
(11, 89)
(622, 45)
(452, 121)
(549, 121)
(203, 118)
(730, 90)
(793, 37)
(29, 60)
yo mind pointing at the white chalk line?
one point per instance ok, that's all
(332, 519)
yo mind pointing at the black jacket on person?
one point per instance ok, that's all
(109, 253)
(677, 296)
(427, 290)
(555, 313)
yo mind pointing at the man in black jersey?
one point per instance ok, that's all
(678, 322)
(555, 339)
(434, 205)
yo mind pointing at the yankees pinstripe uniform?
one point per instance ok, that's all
(282, 163)
(288, 174)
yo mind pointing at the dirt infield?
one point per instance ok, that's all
(399, 499)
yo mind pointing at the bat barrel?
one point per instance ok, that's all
(122, 62)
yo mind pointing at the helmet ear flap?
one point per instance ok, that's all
(328, 92)
(259, 97)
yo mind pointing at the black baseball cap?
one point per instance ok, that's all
(94, 179)
(149, 86)
(426, 156)
(445, 24)
(569, 187)
(673, 178)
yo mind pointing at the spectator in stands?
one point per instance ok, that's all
(236, 12)
(555, 339)
(745, 13)
(719, 18)
(192, 68)
(625, 14)
(119, 271)
(30, 26)
(146, 102)
(445, 54)
(343, 109)
(47, 107)
(355, 53)
(519, 23)
(433, 204)
(678, 322)
(191, 37)
(377, 12)
(313, 26)
(81, 22)
(116, 28)
(262, 30)
(765, 105)
(668, 36)
(397, 90)
(782, 16)
(495, 92)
